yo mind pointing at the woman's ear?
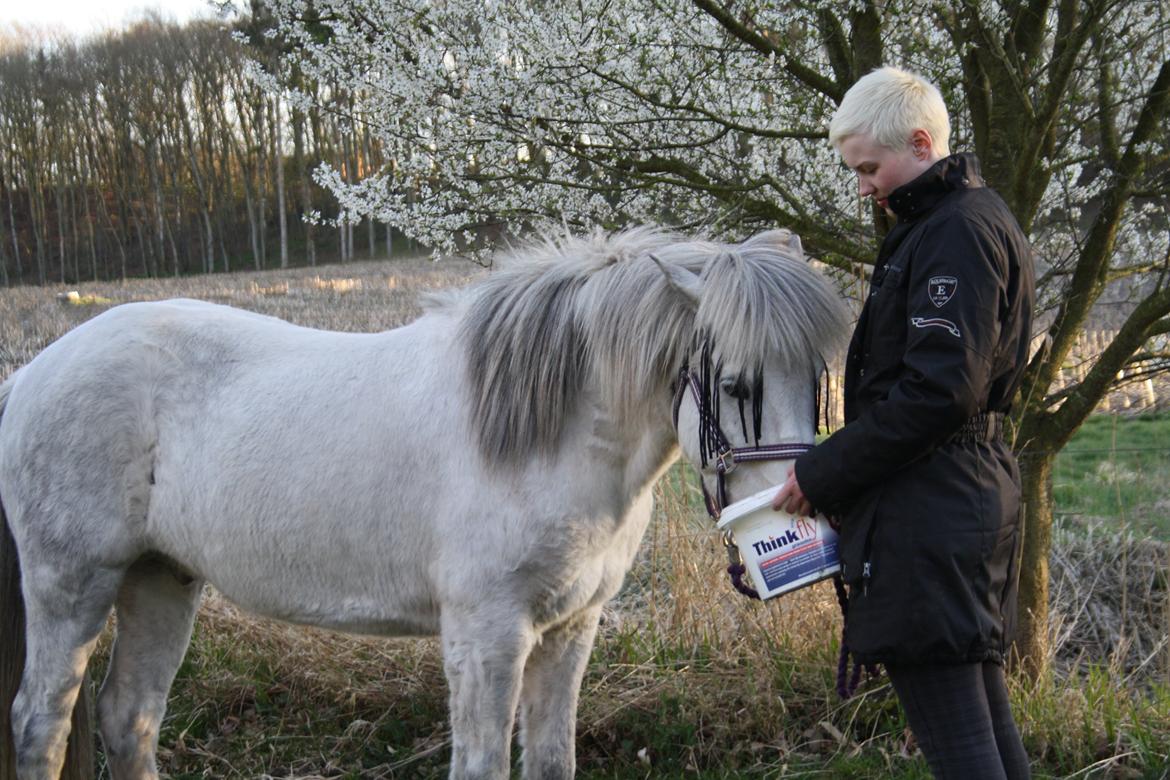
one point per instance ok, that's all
(921, 144)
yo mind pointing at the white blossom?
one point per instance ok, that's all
(614, 111)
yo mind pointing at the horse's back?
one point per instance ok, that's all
(244, 448)
(104, 385)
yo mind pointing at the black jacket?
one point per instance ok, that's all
(930, 522)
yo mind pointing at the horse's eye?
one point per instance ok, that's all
(736, 388)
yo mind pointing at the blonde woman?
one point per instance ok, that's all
(924, 487)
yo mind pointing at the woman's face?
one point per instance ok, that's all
(881, 170)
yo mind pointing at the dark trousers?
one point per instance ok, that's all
(962, 720)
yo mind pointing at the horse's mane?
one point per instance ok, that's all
(565, 310)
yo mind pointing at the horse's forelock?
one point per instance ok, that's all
(761, 297)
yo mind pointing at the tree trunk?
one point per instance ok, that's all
(3, 260)
(59, 202)
(278, 161)
(261, 177)
(208, 242)
(1031, 644)
(226, 195)
(302, 168)
(176, 262)
(90, 218)
(15, 237)
(153, 163)
(36, 204)
(74, 231)
(253, 231)
(194, 158)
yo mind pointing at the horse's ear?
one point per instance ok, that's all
(787, 239)
(794, 243)
(781, 238)
(689, 285)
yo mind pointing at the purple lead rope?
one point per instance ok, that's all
(847, 683)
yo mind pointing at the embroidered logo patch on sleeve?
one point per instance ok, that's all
(936, 322)
(942, 288)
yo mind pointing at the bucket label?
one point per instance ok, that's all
(795, 555)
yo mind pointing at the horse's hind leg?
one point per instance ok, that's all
(548, 698)
(65, 610)
(155, 611)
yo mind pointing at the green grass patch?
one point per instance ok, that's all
(1117, 468)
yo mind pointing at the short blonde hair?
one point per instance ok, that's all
(890, 104)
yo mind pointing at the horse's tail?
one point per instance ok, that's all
(79, 756)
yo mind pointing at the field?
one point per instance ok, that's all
(687, 678)
(1116, 467)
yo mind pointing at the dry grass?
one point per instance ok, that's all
(1109, 600)
(359, 297)
(687, 677)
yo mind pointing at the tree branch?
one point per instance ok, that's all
(1026, 31)
(836, 44)
(1071, 35)
(1106, 82)
(1133, 334)
(1091, 272)
(865, 38)
(707, 114)
(764, 45)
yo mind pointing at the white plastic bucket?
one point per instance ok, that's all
(781, 552)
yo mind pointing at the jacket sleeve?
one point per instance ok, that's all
(956, 291)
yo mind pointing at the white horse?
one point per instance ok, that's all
(483, 472)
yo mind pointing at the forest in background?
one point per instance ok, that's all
(149, 151)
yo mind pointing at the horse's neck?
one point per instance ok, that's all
(637, 449)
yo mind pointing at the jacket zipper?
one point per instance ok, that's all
(866, 568)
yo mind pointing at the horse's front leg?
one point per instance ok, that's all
(552, 682)
(484, 651)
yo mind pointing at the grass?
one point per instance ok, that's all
(1117, 468)
(686, 678)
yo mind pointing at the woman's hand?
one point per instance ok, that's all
(791, 498)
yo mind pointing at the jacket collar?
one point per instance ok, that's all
(957, 172)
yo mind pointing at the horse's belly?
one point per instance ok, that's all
(351, 617)
(345, 567)
(349, 610)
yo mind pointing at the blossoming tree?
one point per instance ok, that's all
(497, 116)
